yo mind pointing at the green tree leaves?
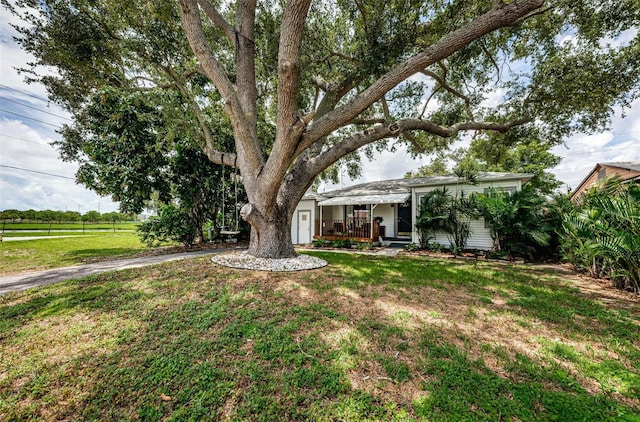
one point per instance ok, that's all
(602, 234)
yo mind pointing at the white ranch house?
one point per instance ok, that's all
(354, 212)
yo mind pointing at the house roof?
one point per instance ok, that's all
(483, 176)
(389, 198)
(403, 186)
(313, 195)
(625, 165)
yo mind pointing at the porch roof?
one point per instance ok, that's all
(389, 198)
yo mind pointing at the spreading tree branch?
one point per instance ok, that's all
(342, 56)
(289, 123)
(401, 127)
(245, 62)
(413, 141)
(369, 122)
(426, 103)
(209, 146)
(385, 109)
(292, 29)
(498, 17)
(218, 20)
(224, 158)
(246, 142)
(491, 59)
(443, 83)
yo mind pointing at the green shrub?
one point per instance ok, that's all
(519, 222)
(435, 247)
(602, 234)
(441, 212)
(318, 243)
(456, 250)
(411, 247)
(365, 245)
(172, 225)
(341, 243)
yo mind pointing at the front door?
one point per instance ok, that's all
(404, 219)
(304, 227)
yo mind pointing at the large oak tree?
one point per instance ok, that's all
(304, 84)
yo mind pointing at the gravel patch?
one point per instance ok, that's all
(245, 261)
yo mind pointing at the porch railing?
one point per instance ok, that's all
(351, 227)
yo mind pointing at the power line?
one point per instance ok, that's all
(30, 118)
(25, 93)
(25, 140)
(35, 108)
(39, 172)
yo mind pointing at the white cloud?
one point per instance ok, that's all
(25, 148)
(24, 142)
(592, 142)
(582, 152)
(623, 39)
(494, 98)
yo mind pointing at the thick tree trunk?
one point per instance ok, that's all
(271, 240)
(271, 236)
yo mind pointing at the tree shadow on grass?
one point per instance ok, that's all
(250, 359)
(219, 344)
(82, 255)
(530, 292)
(527, 391)
(104, 292)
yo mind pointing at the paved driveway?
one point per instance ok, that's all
(17, 282)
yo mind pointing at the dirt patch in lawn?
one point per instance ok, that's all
(384, 337)
(494, 332)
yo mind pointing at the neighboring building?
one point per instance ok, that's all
(627, 172)
(388, 209)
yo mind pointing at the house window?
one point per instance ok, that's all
(502, 189)
(602, 173)
(505, 190)
(360, 211)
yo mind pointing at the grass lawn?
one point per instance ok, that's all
(69, 226)
(45, 234)
(366, 338)
(31, 255)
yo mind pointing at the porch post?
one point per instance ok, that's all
(373, 207)
(321, 223)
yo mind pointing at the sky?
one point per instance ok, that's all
(32, 176)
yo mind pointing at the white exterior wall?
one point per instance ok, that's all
(334, 212)
(305, 205)
(480, 237)
(388, 214)
(330, 213)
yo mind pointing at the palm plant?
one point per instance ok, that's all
(603, 234)
(432, 215)
(458, 222)
(517, 222)
(441, 212)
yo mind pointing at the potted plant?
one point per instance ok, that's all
(378, 219)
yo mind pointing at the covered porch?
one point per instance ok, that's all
(359, 217)
(360, 228)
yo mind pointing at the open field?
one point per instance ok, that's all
(69, 226)
(366, 338)
(45, 234)
(52, 252)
